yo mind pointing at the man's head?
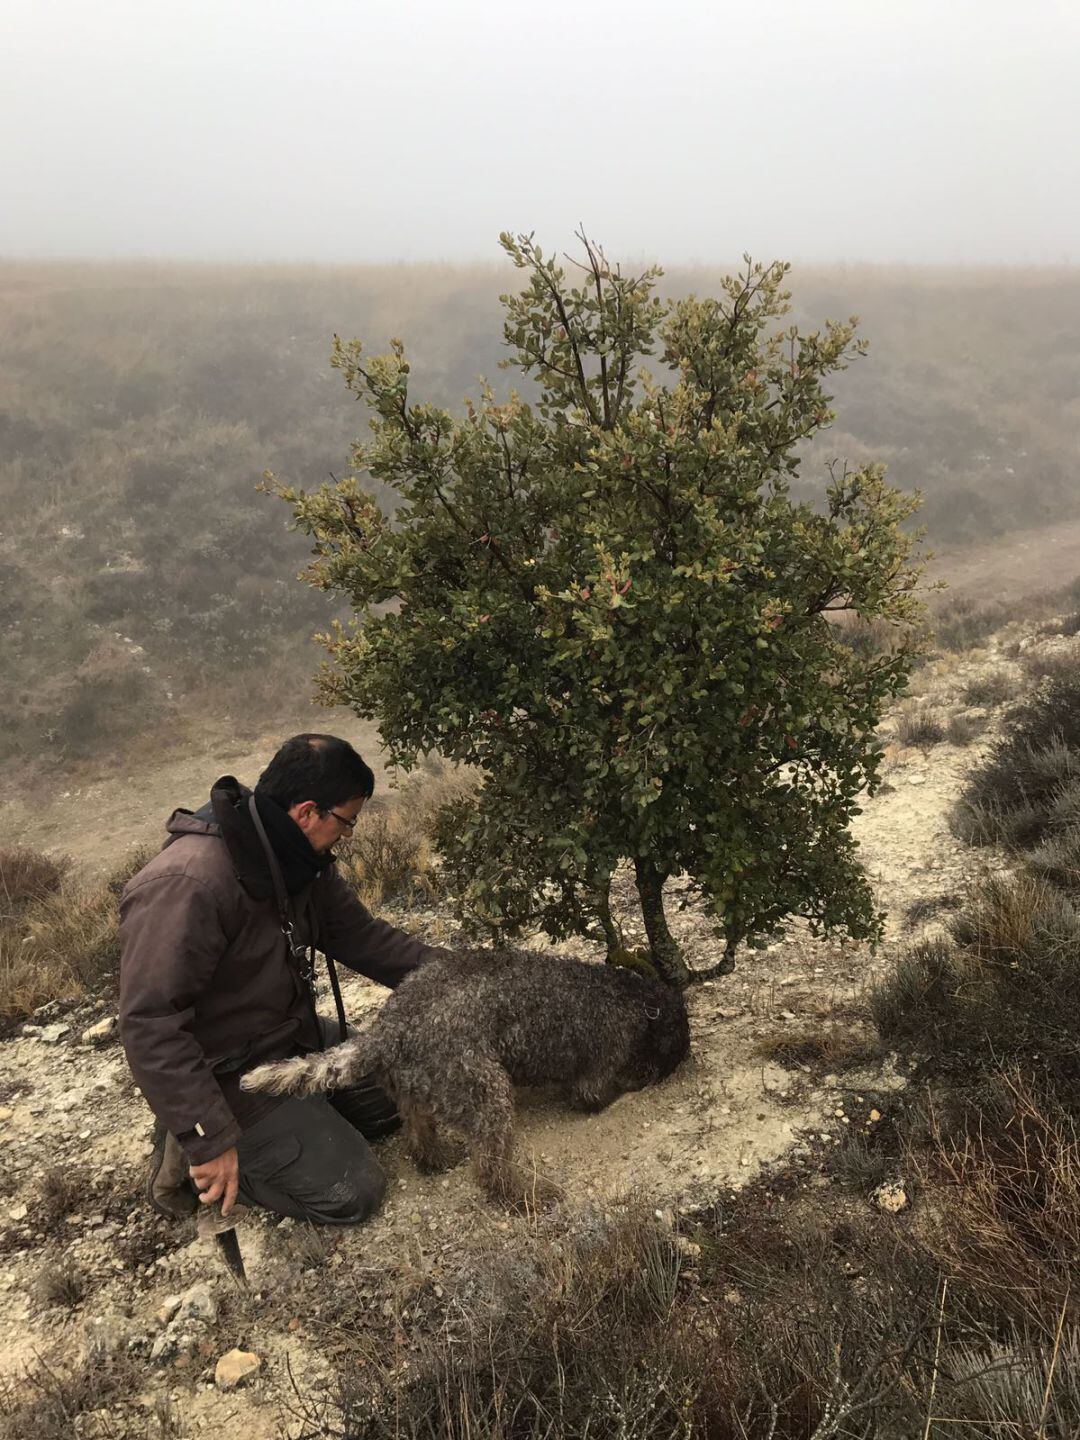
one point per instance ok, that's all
(322, 783)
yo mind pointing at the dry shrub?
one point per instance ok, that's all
(1057, 859)
(61, 1403)
(1003, 989)
(1029, 784)
(962, 729)
(1062, 664)
(602, 1332)
(1000, 1180)
(26, 877)
(558, 1335)
(63, 1285)
(990, 687)
(919, 725)
(65, 946)
(393, 851)
(960, 624)
(387, 856)
(1066, 625)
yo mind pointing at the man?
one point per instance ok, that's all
(211, 984)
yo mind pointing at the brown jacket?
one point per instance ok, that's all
(206, 988)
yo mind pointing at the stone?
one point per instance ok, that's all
(891, 1197)
(104, 1335)
(916, 779)
(18, 1212)
(6, 1113)
(166, 1311)
(102, 1031)
(234, 1367)
(197, 1303)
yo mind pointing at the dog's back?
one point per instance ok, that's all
(543, 1017)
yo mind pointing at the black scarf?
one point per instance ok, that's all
(300, 864)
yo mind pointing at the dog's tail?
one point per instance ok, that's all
(307, 1074)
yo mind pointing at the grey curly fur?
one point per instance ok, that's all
(459, 1032)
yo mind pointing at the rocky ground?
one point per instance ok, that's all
(85, 1268)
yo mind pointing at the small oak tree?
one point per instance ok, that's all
(609, 602)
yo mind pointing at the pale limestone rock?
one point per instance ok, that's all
(234, 1367)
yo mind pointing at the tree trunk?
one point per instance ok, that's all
(663, 951)
(613, 936)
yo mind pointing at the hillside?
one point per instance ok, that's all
(147, 590)
(781, 1118)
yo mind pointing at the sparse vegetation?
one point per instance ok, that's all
(1029, 784)
(62, 1284)
(26, 878)
(836, 1046)
(961, 729)
(990, 687)
(919, 725)
(62, 944)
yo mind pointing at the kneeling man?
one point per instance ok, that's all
(217, 936)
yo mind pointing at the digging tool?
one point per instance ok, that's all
(223, 1228)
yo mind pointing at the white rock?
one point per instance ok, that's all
(234, 1367)
(101, 1031)
(167, 1309)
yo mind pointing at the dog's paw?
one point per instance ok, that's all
(435, 1158)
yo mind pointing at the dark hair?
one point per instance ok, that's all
(322, 768)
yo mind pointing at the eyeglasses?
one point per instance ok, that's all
(349, 825)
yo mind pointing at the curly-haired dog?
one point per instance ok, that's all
(459, 1032)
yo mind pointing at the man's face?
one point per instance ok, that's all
(324, 828)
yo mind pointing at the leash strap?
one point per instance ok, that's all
(303, 958)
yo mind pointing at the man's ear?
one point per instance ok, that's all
(303, 812)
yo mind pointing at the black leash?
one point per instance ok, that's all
(301, 957)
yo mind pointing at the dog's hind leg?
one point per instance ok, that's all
(429, 1151)
(490, 1130)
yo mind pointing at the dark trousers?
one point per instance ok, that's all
(309, 1156)
(304, 1159)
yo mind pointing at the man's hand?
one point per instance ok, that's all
(218, 1179)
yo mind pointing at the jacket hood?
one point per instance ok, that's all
(226, 816)
(188, 822)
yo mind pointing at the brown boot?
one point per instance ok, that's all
(168, 1186)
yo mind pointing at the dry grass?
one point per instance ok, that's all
(919, 725)
(26, 878)
(63, 944)
(92, 1397)
(990, 687)
(834, 1047)
(393, 853)
(1002, 1184)
(962, 729)
(62, 1284)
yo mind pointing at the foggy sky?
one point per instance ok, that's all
(346, 130)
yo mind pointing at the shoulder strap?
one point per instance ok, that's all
(282, 898)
